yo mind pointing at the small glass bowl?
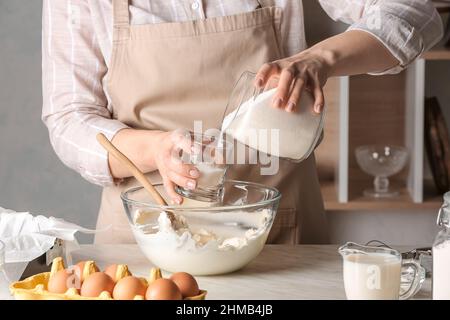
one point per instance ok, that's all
(203, 240)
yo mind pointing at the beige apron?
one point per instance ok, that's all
(165, 76)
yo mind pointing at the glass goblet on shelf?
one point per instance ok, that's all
(381, 161)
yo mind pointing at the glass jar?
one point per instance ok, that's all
(251, 120)
(441, 253)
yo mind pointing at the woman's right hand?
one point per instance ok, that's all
(154, 150)
(172, 169)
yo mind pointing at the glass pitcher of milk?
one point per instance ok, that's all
(252, 121)
(375, 273)
(441, 254)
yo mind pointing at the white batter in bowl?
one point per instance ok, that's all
(204, 240)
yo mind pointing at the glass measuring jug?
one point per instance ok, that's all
(251, 120)
(375, 273)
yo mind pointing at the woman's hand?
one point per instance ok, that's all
(349, 53)
(170, 165)
(308, 70)
(154, 150)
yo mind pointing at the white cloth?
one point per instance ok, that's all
(77, 41)
(27, 237)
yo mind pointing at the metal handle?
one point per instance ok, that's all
(416, 283)
(377, 243)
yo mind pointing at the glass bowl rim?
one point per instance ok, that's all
(277, 197)
(376, 146)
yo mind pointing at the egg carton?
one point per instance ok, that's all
(35, 287)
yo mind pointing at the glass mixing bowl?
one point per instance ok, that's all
(199, 239)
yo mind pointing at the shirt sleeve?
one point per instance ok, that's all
(74, 103)
(406, 28)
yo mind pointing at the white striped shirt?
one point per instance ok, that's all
(77, 43)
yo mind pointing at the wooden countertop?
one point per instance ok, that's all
(279, 272)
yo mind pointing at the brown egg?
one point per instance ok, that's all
(163, 289)
(61, 281)
(129, 287)
(111, 271)
(96, 283)
(186, 283)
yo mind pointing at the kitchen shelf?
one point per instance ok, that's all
(358, 202)
(442, 6)
(388, 109)
(437, 53)
(441, 51)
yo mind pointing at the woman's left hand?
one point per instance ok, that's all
(308, 70)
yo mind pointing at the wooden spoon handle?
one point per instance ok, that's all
(132, 167)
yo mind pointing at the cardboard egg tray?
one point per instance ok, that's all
(35, 287)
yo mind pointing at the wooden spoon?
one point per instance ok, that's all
(138, 174)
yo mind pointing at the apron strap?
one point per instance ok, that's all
(121, 20)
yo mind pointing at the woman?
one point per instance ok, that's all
(138, 70)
